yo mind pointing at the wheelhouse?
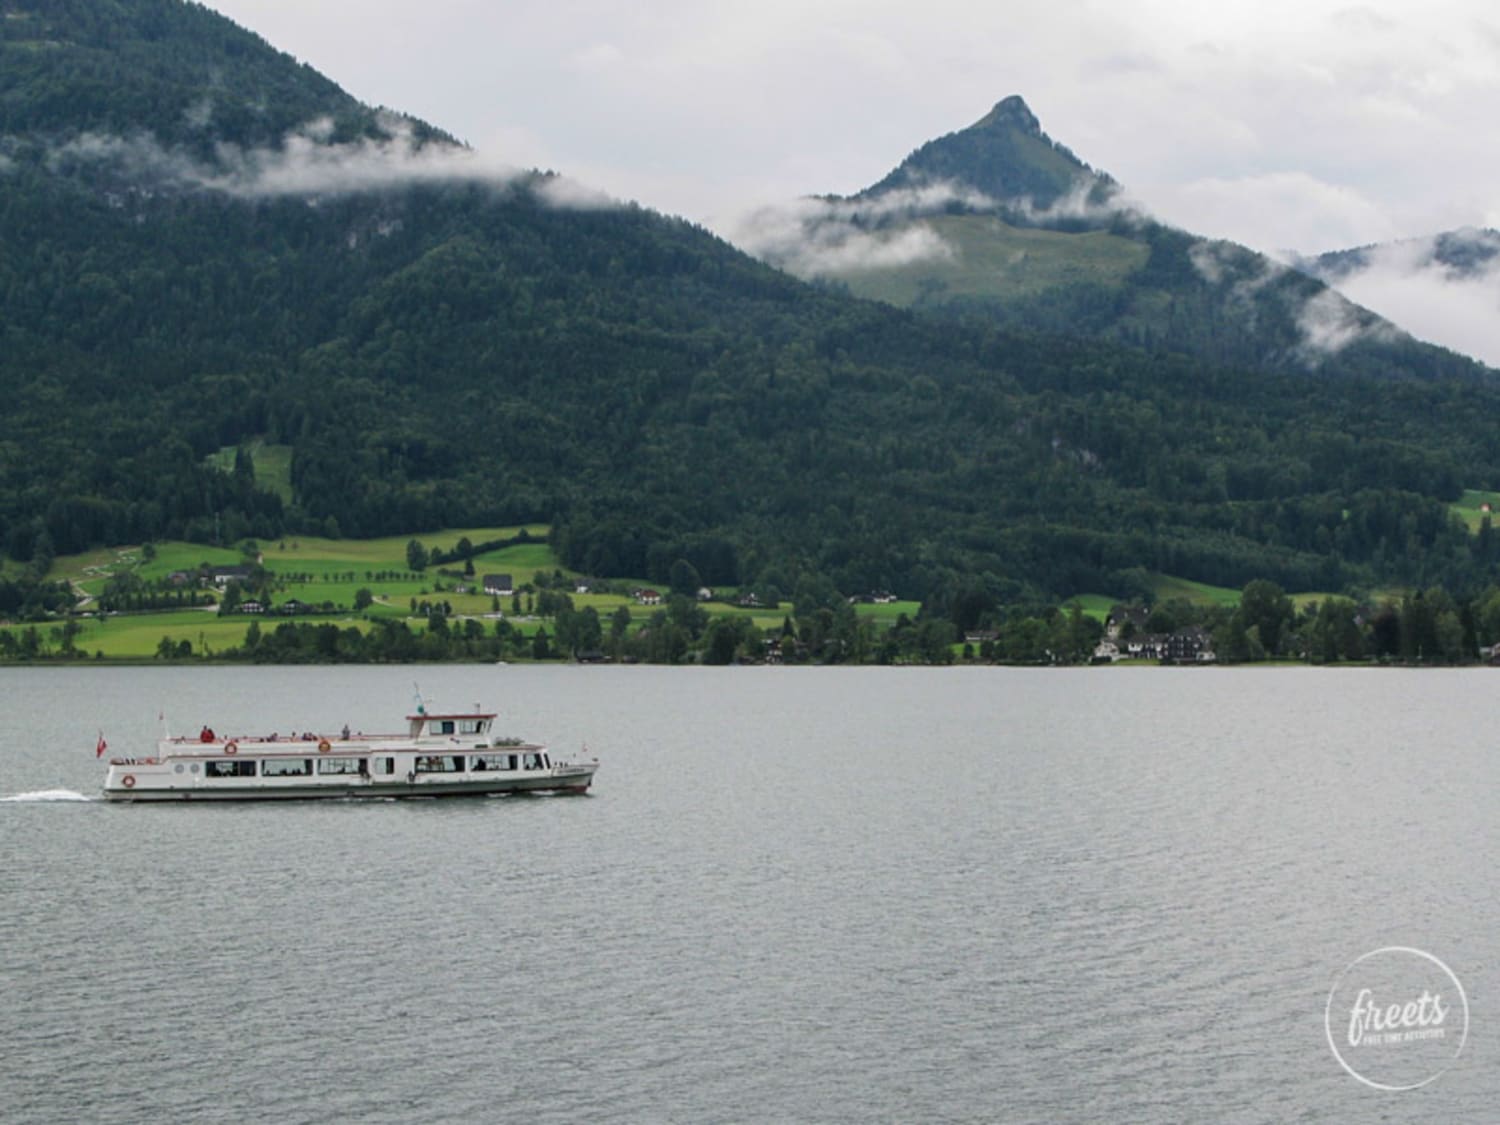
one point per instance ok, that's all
(467, 725)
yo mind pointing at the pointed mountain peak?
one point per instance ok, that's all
(1003, 157)
(1011, 113)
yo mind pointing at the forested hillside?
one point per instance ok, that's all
(999, 221)
(227, 251)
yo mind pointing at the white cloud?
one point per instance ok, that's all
(570, 195)
(1329, 323)
(307, 165)
(1313, 215)
(823, 238)
(813, 237)
(1382, 107)
(1406, 284)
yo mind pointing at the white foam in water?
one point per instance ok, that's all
(42, 795)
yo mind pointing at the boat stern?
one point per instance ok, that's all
(135, 779)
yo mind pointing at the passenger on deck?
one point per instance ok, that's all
(206, 734)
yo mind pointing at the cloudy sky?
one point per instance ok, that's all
(1301, 125)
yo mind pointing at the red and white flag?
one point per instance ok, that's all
(102, 747)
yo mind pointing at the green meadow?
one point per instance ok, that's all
(989, 258)
(328, 572)
(331, 572)
(1164, 587)
(273, 466)
(1474, 505)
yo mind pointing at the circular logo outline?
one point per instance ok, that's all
(1328, 1017)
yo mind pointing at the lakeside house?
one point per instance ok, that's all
(1125, 637)
(1125, 620)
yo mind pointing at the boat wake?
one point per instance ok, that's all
(44, 796)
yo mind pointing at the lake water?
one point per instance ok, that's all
(833, 895)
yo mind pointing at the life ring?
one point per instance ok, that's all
(231, 747)
(324, 747)
(128, 781)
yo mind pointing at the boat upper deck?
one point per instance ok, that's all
(470, 730)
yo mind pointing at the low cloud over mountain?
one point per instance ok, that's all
(1445, 289)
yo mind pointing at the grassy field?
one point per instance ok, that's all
(993, 259)
(1096, 606)
(1198, 593)
(1164, 588)
(323, 571)
(273, 466)
(1470, 506)
(136, 636)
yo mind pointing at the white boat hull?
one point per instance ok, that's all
(264, 791)
(440, 756)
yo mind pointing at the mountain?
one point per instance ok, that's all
(189, 76)
(1462, 255)
(1444, 288)
(1003, 156)
(207, 249)
(1001, 221)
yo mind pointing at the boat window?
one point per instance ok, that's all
(492, 762)
(442, 726)
(531, 762)
(341, 765)
(470, 726)
(440, 763)
(385, 765)
(286, 767)
(218, 768)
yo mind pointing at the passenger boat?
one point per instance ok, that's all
(440, 755)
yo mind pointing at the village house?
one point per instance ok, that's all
(222, 576)
(1193, 645)
(1125, 637)
(1124, 620)
(499, 585)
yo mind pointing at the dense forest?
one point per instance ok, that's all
(456, 349)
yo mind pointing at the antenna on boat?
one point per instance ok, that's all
(417, 695)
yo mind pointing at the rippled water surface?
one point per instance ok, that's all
(836, 895)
